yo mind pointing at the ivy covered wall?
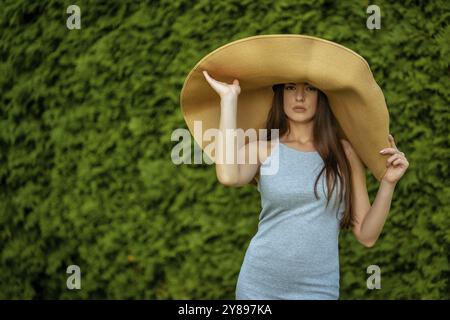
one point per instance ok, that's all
(86, 117)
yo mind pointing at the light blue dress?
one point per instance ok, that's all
(294, 254)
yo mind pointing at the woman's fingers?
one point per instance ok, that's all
(222, 88)
(391, 160)
(218, 86)
(392, 141)
(388, 150)
(398, 161)
(236, 83)
(209, 78)
(213, 81)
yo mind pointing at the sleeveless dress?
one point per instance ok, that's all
(294, 254)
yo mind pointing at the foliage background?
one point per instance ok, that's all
(85, 135)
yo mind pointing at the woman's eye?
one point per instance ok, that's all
(308, 88)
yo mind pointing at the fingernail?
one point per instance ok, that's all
(382, 151)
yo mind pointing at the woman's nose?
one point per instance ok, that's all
(300, 95)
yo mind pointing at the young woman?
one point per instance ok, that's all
(318, 189)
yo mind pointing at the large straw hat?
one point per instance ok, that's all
(261, 61)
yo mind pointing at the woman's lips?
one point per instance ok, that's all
(299, 109)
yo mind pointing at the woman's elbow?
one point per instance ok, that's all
(368, 243)
(227, 181)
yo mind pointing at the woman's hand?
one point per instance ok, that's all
(224, 90)
(396, 164)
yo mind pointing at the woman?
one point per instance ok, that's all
(294, 254)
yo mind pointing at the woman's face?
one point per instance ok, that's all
(297, 96)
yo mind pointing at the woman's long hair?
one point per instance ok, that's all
(327, 144)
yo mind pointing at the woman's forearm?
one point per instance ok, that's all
(374, 220)
(227, 170)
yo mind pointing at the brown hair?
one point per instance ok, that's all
(326, 134)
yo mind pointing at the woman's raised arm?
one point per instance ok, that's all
(231, 173)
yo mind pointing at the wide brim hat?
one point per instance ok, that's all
(259, 62)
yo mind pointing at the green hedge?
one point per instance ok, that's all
(86, 174)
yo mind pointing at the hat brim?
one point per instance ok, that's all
(261, 61)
